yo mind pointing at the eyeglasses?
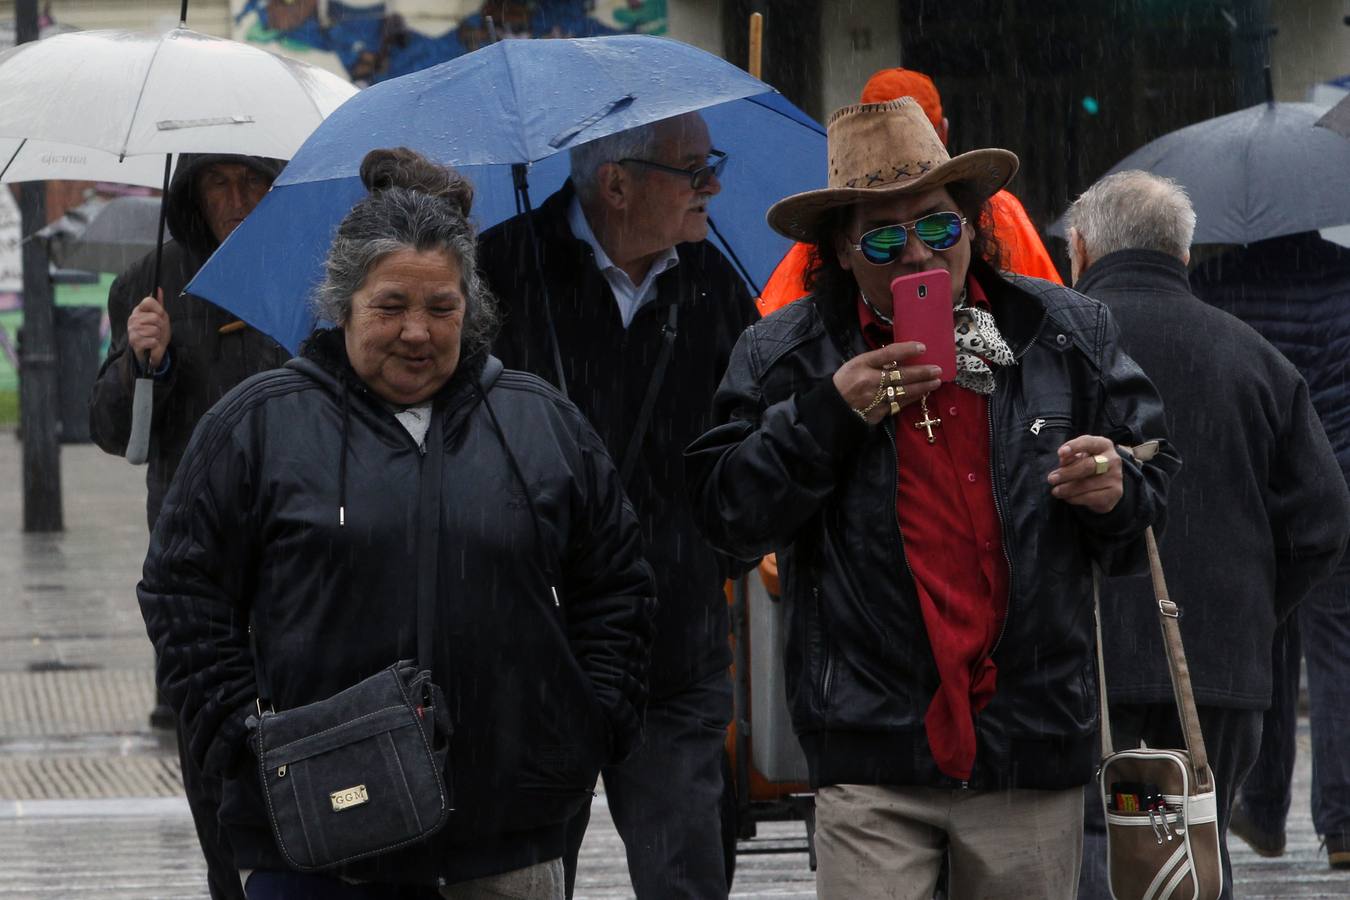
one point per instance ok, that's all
(939, 231)
(699, 177)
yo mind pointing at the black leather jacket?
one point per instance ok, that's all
(790, 468)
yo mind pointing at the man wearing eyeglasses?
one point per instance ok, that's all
(936, 529)
(611, 292)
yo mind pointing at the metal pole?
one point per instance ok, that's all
(37, 361)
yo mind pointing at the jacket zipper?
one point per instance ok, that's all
(998, 506)
(1003, 529)
(827, 673)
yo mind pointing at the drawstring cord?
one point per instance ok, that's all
(342, 458)
(524, 486)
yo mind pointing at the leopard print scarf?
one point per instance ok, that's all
(978, 345)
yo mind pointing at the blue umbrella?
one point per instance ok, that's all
(503, 115)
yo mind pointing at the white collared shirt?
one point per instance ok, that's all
(627, 295)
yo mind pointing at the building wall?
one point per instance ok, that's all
(697, 22)
(206, 16)
(857, 38)
(1312, 46)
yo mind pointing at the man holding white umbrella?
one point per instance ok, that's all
(196, 350)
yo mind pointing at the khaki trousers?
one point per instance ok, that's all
(889, 842)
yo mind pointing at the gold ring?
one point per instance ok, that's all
(1102, 464)
(895, 407)
(895, 377)
(886, 367)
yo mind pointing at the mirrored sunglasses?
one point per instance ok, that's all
(698, 177)
(939, 231)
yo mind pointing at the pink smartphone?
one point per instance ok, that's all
(922, 311)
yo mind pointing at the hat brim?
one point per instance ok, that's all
(985, 171)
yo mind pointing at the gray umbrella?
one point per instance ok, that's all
(1254, 174)
(1338, 118)
(106, 239)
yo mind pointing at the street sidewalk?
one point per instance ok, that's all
(90, 804)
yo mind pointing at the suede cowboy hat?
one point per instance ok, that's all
(879, 150)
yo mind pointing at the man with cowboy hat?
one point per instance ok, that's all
(1019, 243)
(936, 530)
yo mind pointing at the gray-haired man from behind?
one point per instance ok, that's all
(1259, 514)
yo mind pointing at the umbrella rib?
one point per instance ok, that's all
(515, 101)
(10, 161)
(277, 60)
(135, 110)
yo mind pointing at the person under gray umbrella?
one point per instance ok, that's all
(197, 352)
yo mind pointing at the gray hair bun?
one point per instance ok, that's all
(399, 167)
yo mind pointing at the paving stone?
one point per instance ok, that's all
(81, 701)
(63, 777)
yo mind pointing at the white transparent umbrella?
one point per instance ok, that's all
(130, 94)
(124, 95)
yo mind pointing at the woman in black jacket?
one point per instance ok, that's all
(299, 511)
(935, 530)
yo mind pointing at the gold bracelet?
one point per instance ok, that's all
(876, 401)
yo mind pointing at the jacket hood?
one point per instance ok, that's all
(185, 220)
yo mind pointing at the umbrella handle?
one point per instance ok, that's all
(142, 411)
(143, 400)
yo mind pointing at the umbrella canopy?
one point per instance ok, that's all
(104, 236)
(24, 160)
(1338, 117)
(1254, 174)
(128, 94)
(510, 108)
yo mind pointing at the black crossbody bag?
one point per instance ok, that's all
(363, 772)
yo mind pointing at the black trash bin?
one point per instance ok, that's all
(77, 361)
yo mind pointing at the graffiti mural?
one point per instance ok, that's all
(373, 41)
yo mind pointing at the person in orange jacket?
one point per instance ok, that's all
(1019, 243)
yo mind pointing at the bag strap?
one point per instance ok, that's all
(1103, 705)
(429, 537)
(630, 455)
(1168, 614)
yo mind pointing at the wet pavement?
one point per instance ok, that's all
(89, 799)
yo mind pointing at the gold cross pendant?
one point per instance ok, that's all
(928, 423)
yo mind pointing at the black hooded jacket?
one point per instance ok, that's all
(541, 693)
(204, 363)
(790, 468)
(608, 369)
